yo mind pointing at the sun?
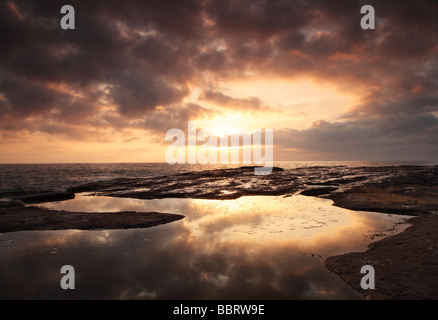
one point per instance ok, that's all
(225, 125)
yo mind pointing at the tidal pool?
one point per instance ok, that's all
(258, 247)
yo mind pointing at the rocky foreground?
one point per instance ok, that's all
(20, 218)
(406, 264)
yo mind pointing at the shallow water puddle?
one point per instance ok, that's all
(305, 221)
(259, 247)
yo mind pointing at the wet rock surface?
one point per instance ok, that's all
(213, 184)
(237, 182)
(406, 264)
(37, 197)
(20, 218)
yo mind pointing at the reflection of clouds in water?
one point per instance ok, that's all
(223, 222)
(208, 255)
(166, 265)
(193, 270)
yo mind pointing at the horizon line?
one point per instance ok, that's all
(164, 162)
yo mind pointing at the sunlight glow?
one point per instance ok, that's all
(225, 125)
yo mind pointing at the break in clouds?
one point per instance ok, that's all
(134, 64)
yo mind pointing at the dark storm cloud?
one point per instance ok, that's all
(144, 56)
(137, 93)
(390, 103)
(409, 137)
(108, 50)
(259, 19)
(18, 94)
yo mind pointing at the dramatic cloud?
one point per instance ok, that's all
(175, 117)
(252, 103)
(152, 65)
(407, 137)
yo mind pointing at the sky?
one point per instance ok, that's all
(109, 90)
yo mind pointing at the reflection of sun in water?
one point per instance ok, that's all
(299, 221)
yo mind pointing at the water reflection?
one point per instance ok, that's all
(249, 248)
